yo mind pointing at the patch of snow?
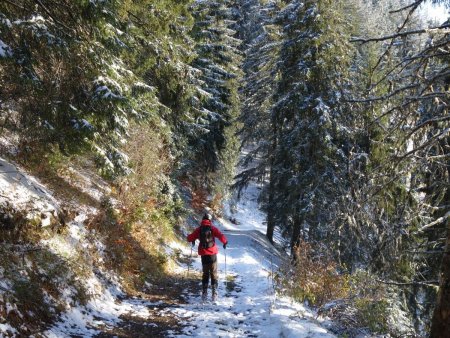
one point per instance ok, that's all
(104, 307)
(248, 305)
(7, 329)
(145, 86)
(82, 124)
(102, 88)
(9, 144)
(5, 50)
(245, 214)
(24, 192)
(103, 310)
(5, 21)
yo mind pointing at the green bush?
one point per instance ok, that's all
(373, 314)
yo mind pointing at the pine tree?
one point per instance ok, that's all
(262, 38)
(314, 59)
(218, 59)
(89, 68)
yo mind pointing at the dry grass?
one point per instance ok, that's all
(314, 278)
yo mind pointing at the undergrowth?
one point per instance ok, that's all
(357, 302)
(312, 278)
(37, 279)
(141, 216)
(138, 216)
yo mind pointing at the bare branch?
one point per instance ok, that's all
(431, 140)
(437, 221)
(391, 43)
(384, 97)
(400, 34)
(438, 119)
(14, 4)
(429, 252)
(46, 10)
(432, 283)
(414, 4)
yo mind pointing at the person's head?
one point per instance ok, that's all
(207, 216)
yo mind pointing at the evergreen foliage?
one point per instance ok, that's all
(215, 146)
(349, 132)
(341, 107)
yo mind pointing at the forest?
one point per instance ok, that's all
(338, 109)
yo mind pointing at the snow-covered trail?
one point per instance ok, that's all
(247, 305)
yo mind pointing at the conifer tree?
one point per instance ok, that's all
(218, 59)
(314, 59)
(262, 38)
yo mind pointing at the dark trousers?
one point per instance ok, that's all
(209, 264)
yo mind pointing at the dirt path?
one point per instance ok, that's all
(162, 322)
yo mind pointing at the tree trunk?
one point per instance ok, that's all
(440, 324)
(296, 229)
(271, 208)
(270, 226)
(271, 211)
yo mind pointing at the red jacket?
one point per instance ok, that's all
(216, 233)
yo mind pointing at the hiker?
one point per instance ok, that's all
(208, 250)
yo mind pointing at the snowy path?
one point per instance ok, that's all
(247, 305)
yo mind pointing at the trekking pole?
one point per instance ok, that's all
(226, 279)
(190, 260)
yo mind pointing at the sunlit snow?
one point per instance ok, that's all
(248, 305)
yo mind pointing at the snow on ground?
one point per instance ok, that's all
(102, 311)
(247, 304)
(107, 302)
(246, 211)
(24, 192)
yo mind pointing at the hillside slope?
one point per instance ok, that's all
(60, 284)
(58, 276)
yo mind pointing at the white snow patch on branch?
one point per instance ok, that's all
(5, 50)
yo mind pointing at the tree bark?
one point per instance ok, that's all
(296, 230)
(270, 209)
(440, 324)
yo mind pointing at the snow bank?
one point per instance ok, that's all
(76, 246)
(107, 302)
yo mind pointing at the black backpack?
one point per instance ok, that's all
(206, 237)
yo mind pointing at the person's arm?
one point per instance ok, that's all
(195, 235)
(216, 232)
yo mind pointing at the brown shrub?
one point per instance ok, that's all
(314, 278)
